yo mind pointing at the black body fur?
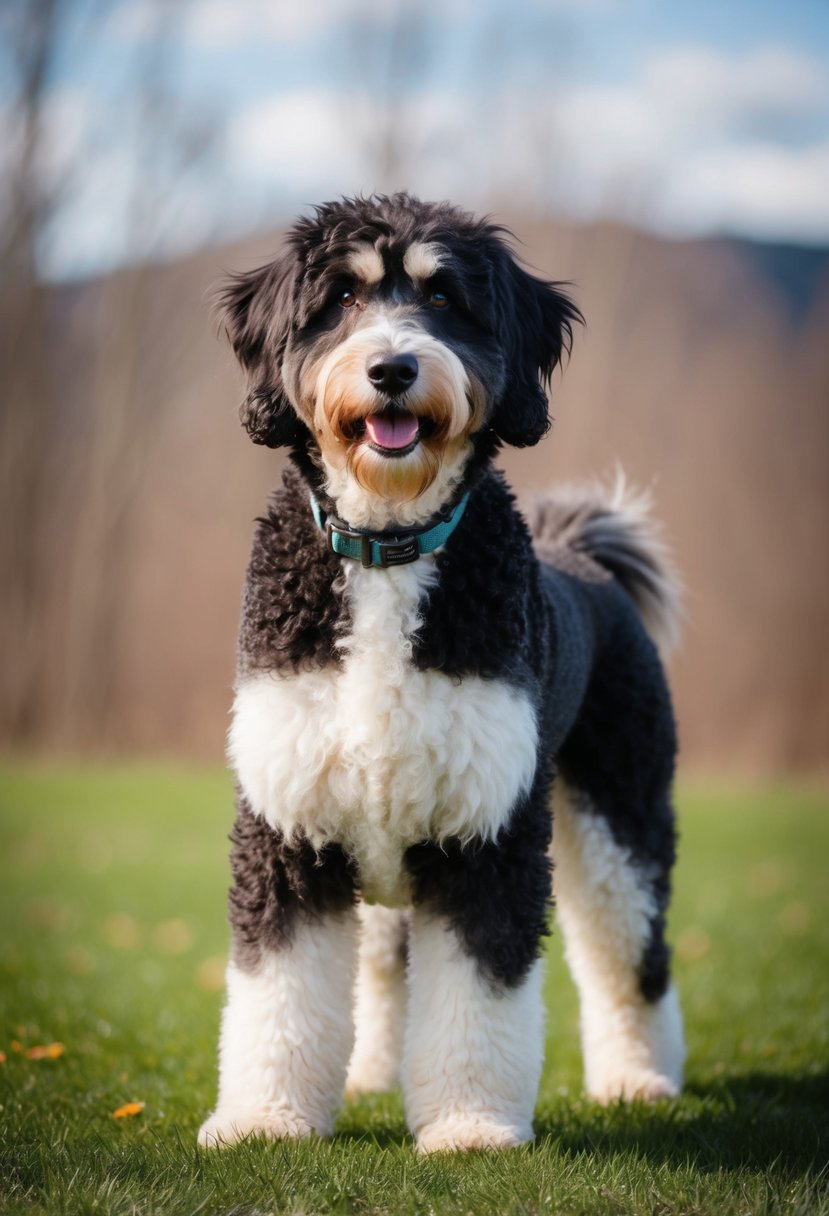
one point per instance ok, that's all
(275, 881)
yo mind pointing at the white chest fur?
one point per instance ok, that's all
(375, 754)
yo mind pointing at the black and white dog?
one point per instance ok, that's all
(414, 663)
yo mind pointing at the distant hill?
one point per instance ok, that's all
(799, 272)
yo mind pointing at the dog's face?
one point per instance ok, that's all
(395, 334)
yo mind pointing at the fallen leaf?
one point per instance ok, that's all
(128, 1110)
(45, 1051)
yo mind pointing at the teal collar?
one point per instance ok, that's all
(379, 549)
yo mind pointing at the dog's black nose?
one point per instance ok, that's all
(392, 374)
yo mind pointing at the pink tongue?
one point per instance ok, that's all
(392, 430)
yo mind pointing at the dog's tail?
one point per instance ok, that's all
(613, 526)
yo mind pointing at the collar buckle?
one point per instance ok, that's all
(398, 552)
(377, 550)
(371, 552)
(332, 530)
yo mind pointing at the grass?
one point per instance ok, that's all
(112, 887)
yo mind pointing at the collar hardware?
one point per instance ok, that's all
(377, 549)
(332, 533)
(372, 552)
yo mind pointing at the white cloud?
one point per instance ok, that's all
(296, 138)
(219, 23)
(309, 137)
(702, 89)
(675, 148)
(226, 24)
(690, 95)
(309, 143)
(701, 140)
(137, 20)
(761, 189)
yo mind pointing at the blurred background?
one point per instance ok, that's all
(670, 160)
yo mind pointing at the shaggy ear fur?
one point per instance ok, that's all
(535, 322)
(256, 309)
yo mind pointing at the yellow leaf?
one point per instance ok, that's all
(45, 1051)
(128, 1110)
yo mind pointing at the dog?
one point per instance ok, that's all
(415, 664)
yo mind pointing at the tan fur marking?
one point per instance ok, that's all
(367, 264)
(422, 260)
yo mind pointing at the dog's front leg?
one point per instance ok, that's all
(475, 1032)
(474, 1047)
(287, 1026)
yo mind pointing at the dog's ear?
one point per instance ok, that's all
(256, 310)
(535, 325)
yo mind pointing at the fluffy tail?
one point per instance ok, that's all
(613, 526)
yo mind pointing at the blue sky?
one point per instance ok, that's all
(685, 118)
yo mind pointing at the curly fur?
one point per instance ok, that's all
(397, 731)
(275, 882)
(291, 609)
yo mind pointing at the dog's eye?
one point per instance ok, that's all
(347, 299)
(439, 299)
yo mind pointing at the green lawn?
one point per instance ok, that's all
(112, 886)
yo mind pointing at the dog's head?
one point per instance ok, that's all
(389, 337)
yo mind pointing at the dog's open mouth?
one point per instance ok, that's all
(394, 431)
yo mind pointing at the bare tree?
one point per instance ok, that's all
(66, 509)
(136, 327)
(32, 31)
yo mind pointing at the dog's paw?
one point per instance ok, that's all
(226, 1127)
(462, 1132)
(641, 1084)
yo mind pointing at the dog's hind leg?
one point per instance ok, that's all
(286, 1027)
(380, 1000)
(610, 901)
